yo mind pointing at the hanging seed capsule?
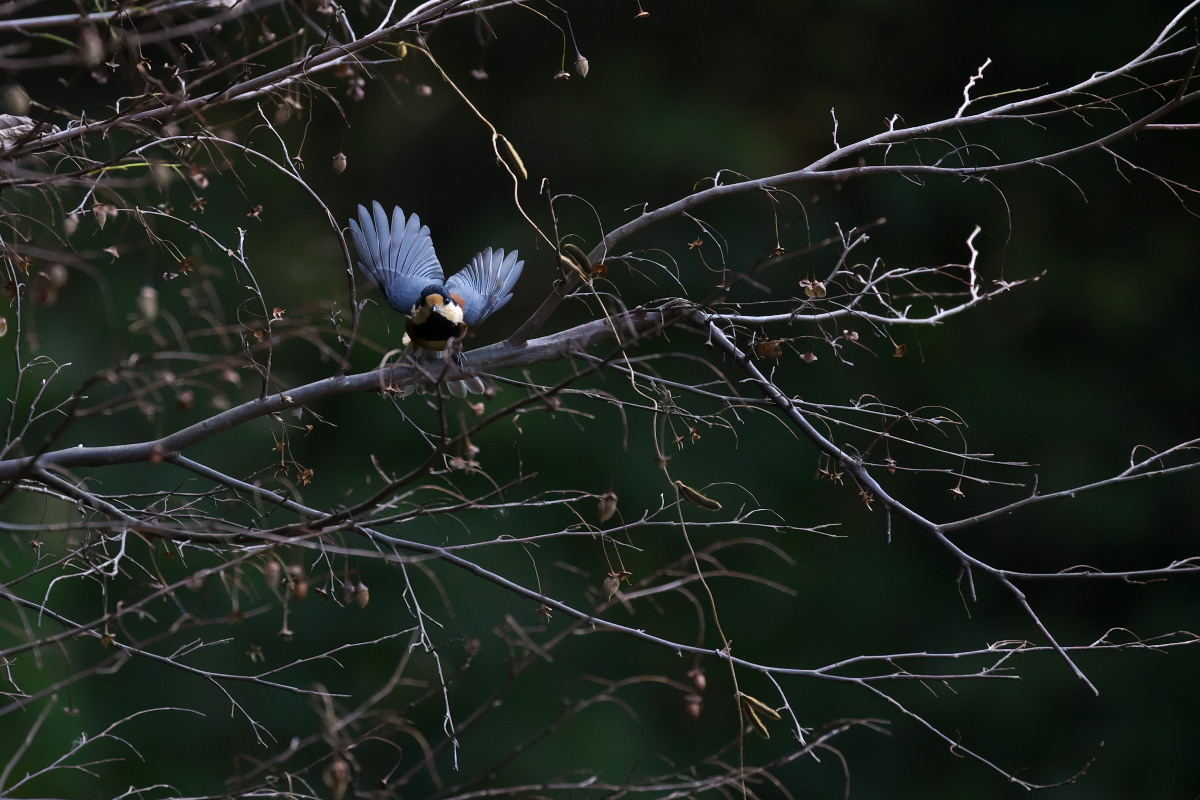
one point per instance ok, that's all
(101, 212)
(814, 289)
(769, 348)
(607, 506)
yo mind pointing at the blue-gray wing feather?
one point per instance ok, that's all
(486, 284)
(397, 254)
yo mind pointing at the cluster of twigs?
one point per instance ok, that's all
(109, 577)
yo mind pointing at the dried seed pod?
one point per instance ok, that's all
(581, 66)
(758, 705)
(570, 264)
(693, 496)
(694, 705)
(756, 722)
(755, 710)
(514, 157)
(362, 595)
(576, 254)
(339, 162)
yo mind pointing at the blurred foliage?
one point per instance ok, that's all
(1068, 373)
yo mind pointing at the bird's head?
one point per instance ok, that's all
(437, 300)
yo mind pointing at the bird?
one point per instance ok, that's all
(396, 254)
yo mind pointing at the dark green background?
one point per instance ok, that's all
(1069, 373)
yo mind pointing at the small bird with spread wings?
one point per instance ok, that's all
(397, 255)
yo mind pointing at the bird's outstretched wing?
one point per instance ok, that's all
(397, 255)
(486, 284)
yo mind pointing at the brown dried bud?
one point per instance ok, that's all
(581, 66)
(339, 163)
(607, 506)
(298, 581)
(694, 705)
(272, 571)
(101, 212)
(769, 348)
